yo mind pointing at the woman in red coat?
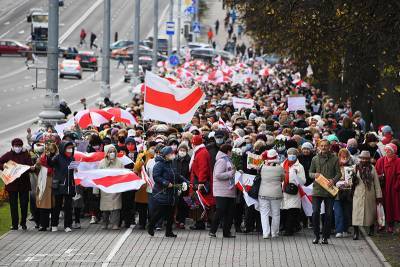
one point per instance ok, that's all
(388, 169)
(201, 176)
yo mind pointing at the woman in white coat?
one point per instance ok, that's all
(291, 204)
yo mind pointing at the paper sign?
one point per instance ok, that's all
(12, 171)
(254, 161)
(296, 103)
(239, 103)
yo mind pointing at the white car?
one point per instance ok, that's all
(191, 46)
(70, 67)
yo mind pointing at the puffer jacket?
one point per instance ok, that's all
(63, 180)
(21, 184)
(271, 181)
(224, 184)
(163, 175)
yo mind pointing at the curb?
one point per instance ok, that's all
(374, 248)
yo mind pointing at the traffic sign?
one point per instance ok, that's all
(196, 27)
(173, 60)
(170, 28)
(190, 10)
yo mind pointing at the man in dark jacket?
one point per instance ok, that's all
(181, 165)
(164, 191)
(213, 147)
(63, 184)
(20, 187)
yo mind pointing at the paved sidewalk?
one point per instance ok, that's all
(92, 246)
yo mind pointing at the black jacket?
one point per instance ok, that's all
(63, 180)
(213, 150)
(306, 162)
(181, 165)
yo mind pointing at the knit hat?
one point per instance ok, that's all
(184, 146)
(130, 139)
(270, 156)
(365, 154)
(166, 150)
(239, 132)
(392, 147)
(131, 132)
(386, 129)
(352, 142)
(107, 148)
(331, 138)
(307, 145)
(17, 142)
(197, 140)
(292, 151)
(219, 134)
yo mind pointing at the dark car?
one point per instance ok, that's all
(12, 47)
(206, 54)
(87, 60)
(162, 44)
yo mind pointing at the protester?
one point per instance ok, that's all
(224, 191)
(326, 164)
(270, 193)
(367, 192)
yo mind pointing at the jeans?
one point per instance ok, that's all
(342, 210)
(23, 204)
(55, 215)
(225, 211)
(326, 224)
(270, 208)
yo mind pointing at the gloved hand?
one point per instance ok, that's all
(184, 186)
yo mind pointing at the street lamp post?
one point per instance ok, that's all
(51, 107)
(171, 18)
(105, 90)
(136, 40)
(155, 37)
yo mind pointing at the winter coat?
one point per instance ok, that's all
(46, 202)
(305, 161)
(63, 180)
(182, 166)
(328, 166)
(141, 160)
(110, 201)
(345, 134)
(23, 183)
(224, 177)
(271, 181)
(391, 187)
(213, 151)
(364, 201)
(201, 173)
(296, 176)
(163, 175)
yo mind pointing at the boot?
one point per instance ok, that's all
(371, 230)
(356, 233)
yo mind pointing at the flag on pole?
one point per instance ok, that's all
(165, 102)
(146, 177)
(202, 200)
(222, 125)
(109, 180)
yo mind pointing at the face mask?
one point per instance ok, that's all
(182, 154)
(111, 155)
(352, 150)
(130, 147)
(151, 151)
(69, 150)
(38, 148)
(96, 147)
(248, 146)
(121, 139)
(174, 147)
(219, 141)
(218, 114)
(292, 157)
(17, 149)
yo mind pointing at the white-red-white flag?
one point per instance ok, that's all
(146, 177)
(109, 180)
(168, 103)
(222, 125)
(90, 161)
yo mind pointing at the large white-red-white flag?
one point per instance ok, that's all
(165, 102)
(109, 180)
(90, 161)
(146, 177)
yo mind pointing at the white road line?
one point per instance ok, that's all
(13, 9)
(12, 73)
(12, 28)
(19, 125)
(79, 21)
(116, 247)
(163, 14)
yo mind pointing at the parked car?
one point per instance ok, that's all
(121, 44)
(12, 47)
(192, 46)
(87, 60)
(127, 52)
(129, 72)
(70, 67)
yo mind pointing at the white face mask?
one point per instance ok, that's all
(17, 149)
(111, 155)
(174, 147)
(38, 148)
(182, 154)
(69, 150)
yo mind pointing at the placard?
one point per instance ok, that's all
(296, 103)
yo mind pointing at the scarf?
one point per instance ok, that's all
(286, 166)
(365, 171)
(194, 154)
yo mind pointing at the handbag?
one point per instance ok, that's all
(255, 188)
(291, 189)
(380, 215)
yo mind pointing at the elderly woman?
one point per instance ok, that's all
(110, 203)
(270, 193)
(291, 205)
(224, 191)
(367, 192)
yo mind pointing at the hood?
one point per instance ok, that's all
(63, 145)
(220, 155)
(159, 158)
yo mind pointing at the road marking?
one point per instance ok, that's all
(21, 32)
(163, 14)
(7, 22)
(12, 73)
(116, 247)
(12, 28)
(13, 9)
(79, 21)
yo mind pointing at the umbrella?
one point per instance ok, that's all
(121, 115)
(92, 116)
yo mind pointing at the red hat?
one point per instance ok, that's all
(392, 147)
(197, 140)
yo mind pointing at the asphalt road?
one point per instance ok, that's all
(19, 104)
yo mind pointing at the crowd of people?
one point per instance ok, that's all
(194, 169)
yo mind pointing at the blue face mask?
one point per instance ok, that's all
(219, 141)
(248, 146)
(292, 157)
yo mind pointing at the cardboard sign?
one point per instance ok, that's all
(322, 181)
(254, 161)
(296, 103)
